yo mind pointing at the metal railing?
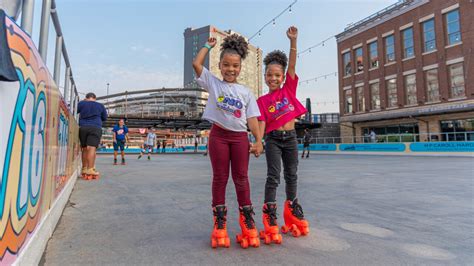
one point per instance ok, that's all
(390, 138)
(48, 12)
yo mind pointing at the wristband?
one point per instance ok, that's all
(207, 46)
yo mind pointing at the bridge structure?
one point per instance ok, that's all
(165, 108)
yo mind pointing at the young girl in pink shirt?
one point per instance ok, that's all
(279, 109)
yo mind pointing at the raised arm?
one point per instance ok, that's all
(201, 56)
(292, 34)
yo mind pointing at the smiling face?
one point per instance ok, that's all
(274, 76)
(230, 66)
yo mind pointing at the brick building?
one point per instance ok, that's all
(408, 70)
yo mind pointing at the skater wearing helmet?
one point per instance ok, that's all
(279, 109)
(230, 108)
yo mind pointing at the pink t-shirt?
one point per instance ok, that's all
(280, 106)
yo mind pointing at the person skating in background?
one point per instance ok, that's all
(149, 143)
(279, 109)
(120, 137)
(91, 116)
(158, 145)
(306, 142)
(163, 146)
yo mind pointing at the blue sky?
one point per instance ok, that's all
(139, 44)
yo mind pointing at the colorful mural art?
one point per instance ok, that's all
(39, 149)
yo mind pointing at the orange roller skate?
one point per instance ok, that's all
(219, 237)
(294, 219)
(249, 236)
(90, 174)
(271, 232)
(84, 173)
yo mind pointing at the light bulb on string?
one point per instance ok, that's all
(274, 23)
(323, 43)
(259, 34)
(309, 50)
(289, 11)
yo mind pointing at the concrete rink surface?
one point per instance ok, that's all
(363, 210)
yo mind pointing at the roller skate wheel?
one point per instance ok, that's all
(305, 231)
(244, 243)
(255, 242)
(262, 234)
(227, 242)
(238, 238)
(295, 231)
(277, 239)
(284, 229)
(213, 243)
(221, 242)
(267, 240)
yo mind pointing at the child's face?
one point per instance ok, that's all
(274, 77)
(230, 67)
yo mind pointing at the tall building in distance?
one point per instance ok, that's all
(194, 39)
(407, 71)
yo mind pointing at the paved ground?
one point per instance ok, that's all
(363, 210)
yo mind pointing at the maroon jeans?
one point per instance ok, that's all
(229, 149)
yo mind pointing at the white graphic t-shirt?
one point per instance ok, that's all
(229, 104)
(150, 139)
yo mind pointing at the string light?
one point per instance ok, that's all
(325, 76)
(321, 43)
(272, 21)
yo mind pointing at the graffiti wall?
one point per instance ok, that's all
(38, 140)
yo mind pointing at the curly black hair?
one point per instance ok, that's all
(276, 57)
(235, 44)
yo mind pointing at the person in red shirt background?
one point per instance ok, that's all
(279, 109)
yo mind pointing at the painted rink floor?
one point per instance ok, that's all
(363, 210)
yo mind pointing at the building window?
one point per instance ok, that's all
(348, 100)
(392, 92)
(407, 36)
(360, 98)
(457, 130)
(373, 55)
(389, 49)
(432, 86)
(452, 27)
(429, 36)
(410, 89)
(347, 63)
(359, 60)
(393, 133)
(374, 96)
(456, 74)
